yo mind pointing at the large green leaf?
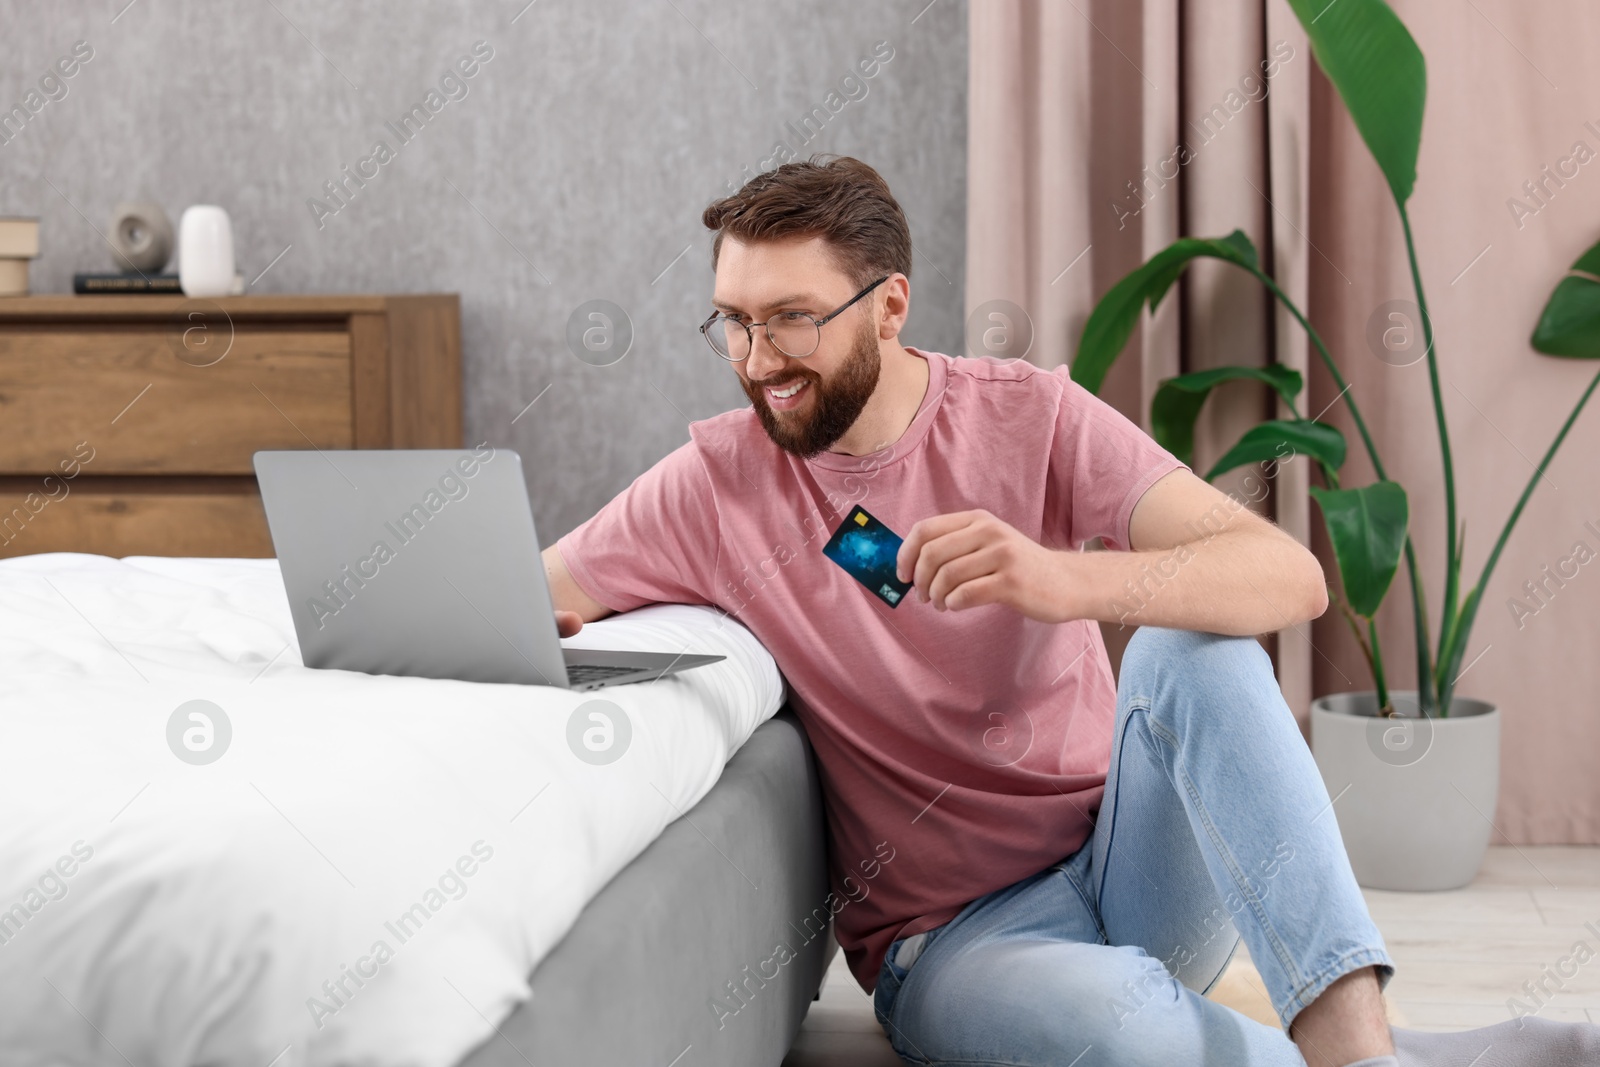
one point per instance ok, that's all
(1570, 324)
(1370, 57)
(1368, 529)
(1283, 439)
(1177, 403)
(1114, 317)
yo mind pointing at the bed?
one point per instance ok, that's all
(334, 868)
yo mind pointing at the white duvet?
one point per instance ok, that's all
(372, 867)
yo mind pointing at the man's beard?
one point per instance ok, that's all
(835, 405)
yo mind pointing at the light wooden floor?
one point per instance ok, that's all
(1459, 957)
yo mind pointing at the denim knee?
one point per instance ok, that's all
(1195, 657)
(1173, 675)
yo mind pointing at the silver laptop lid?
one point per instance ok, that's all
(417, 562)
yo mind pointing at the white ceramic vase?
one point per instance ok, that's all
(205, 251)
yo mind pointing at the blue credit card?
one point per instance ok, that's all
(866, 549)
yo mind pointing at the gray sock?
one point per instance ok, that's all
(1525, 1042)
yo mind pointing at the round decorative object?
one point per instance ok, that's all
(141, 237)
(205, 251)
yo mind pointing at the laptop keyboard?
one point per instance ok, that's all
(583, 674)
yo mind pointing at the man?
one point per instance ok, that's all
(1039, 866)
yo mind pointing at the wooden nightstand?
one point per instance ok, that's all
(129, 421)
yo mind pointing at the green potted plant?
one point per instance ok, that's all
(1427, 752)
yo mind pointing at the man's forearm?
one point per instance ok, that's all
(1228, 571)
(1243, 582)
(566, 594)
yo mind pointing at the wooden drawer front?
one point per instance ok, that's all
(143, 410)
(133, 516)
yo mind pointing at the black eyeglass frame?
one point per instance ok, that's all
(749, 328)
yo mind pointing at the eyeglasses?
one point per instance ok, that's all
(794, 333)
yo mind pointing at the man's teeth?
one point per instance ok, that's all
(784, 394)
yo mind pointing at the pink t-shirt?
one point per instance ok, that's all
(958, 751)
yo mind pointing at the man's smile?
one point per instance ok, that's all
(786, 396)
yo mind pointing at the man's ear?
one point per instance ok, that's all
(896, 306)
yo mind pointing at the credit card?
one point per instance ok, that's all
(866, 549)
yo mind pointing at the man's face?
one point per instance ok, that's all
(758, 280)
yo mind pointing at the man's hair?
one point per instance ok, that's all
(837, 198)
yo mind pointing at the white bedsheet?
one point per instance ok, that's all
(224, 914)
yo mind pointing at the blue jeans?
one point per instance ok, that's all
(1215, 825)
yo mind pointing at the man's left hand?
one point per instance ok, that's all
(968, 558)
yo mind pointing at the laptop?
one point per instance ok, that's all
(425, 563)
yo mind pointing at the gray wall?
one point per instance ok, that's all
(575, 167)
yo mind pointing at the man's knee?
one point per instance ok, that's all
(1194, 657)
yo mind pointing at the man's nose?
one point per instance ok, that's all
(764, 360)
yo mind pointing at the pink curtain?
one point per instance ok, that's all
(1080, 113)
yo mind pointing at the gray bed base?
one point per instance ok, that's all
(672, 963)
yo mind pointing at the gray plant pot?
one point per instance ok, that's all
(1414, 797)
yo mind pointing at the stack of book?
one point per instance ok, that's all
(19, 242)
(125, 283)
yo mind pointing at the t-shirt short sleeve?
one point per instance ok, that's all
(656, 542)
(1100, 465)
